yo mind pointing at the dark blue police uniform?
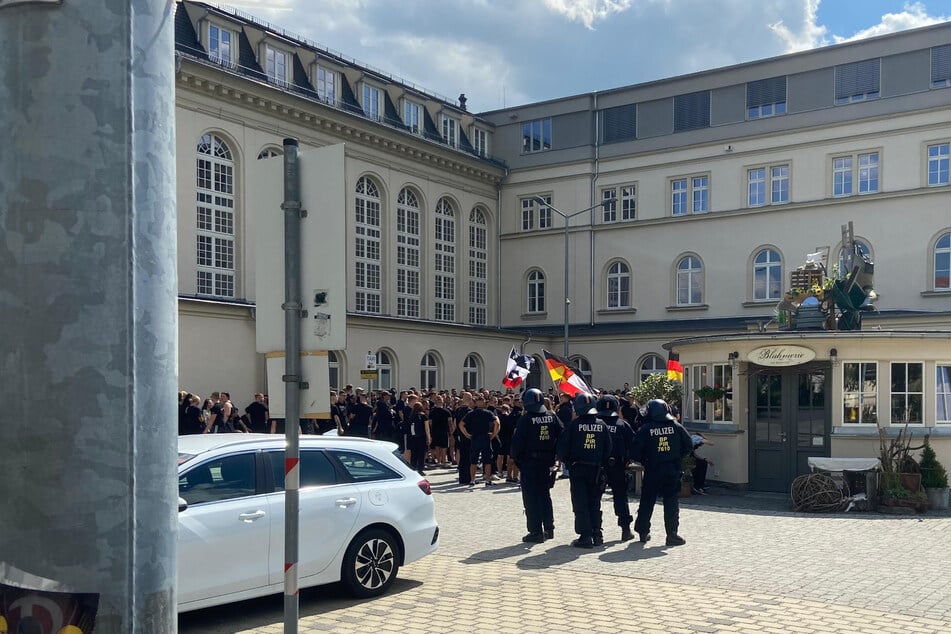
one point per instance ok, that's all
(622, 443)
(533, 449)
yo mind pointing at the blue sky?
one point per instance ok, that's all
(510, 52)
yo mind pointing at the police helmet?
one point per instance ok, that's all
(607, 406)
(584, 404)
(657, 410)
(534, 401)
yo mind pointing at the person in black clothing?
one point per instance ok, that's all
(384, 420)
(462, 443)
(533, 449)
(480, 427)
(660, 445)
(504, 461)
(564, 411)
(257, 414)
(439, 418)
(418, 437)
(622, 443)
(338, 412)
(360, 415)
(192, 420)
(585, 446)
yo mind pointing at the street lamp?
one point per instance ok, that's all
(566, 218)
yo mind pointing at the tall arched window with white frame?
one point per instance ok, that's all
(215, 218)
(471, 373)
(942, 263)
(445, 263)
(767, 275)
(619, 286)
(689, 281)
(478, 268)
(333, 367)
(407, 254)
(367, 247)
(384, 371)
(536, 292)
(428, 372)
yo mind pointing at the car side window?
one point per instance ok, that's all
(363, 468)
(315, 469)
(224, 478)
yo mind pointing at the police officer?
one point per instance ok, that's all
(533, 450)
(622, 443)
(585, 446)
(660, 445)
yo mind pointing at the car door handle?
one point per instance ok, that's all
(250, 517)
(345, 502)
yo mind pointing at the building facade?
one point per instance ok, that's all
(689, 201)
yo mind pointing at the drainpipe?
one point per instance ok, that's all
(498, 256)
(592, 294)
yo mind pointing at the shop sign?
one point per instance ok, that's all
(781, 356)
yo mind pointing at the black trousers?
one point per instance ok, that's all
(617, 479)
(536, 496)
(700, 472)
(417, 452)
(586, 487)
(462, 446)
(660, 480)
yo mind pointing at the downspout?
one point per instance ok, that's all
(592, 202)
(498, 250)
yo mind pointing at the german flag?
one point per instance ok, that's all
(675, 371)
(566, 378)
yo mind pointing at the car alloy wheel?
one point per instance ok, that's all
(371, 563)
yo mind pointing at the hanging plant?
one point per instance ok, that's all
(710, 394)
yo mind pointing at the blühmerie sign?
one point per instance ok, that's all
(781, 356)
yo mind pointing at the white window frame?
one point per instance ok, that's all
(413, 116)
(767, 185)
(618, 286)
(907, 395)
(327, 82)
(536, 135)
(689, 194)
(368, 221)
(939, 164)
(687, 275)
(450, 130)
(943, 393)
(444, 247)
(480, 141)
(478, 267)
(384, 371)
(471, 372)
(942, 247)
(852, 173)
(773, 274)
(584, 367)
(216, 219)
(855, 400)
(723, 409)
(333, 369)
(529, 208)
(429, 371)
(695, 377)
(215, 54)
(535, 292)
(408, 272)
(372, 102)
(272, 68)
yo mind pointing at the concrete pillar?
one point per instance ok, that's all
(88, 318)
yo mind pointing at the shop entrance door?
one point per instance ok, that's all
(790, 421)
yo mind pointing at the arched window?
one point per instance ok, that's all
(445, 247)
(367, 247)
(215, 218)
(333, 365)
(863, 248)
(689, 281)
(270, 152)
(478, 268)
(384, 372)
(942, 263)
(471, 373)
(619, 285)
(651, 364)
(584, 367)
(536, 292)
(407, 254)
(428, 372)
(767, 275)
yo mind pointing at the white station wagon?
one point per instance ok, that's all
(363, 513)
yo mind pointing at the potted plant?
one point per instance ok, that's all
(710, 394)
(934, 478)
(901, 477)
(657, 385)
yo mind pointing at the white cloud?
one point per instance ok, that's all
(805, 32)
(587, 11)
(912, 16)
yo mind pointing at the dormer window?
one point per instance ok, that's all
(412, 116)
(222, 45)
(450, 131)
(372, 100)
(276, 65)
(327, 83)
(480, 141)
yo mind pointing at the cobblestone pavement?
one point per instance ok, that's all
(750, 565)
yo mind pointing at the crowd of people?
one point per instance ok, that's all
(526, 437)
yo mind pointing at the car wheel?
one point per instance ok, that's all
(370, 563)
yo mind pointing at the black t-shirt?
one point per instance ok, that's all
(479, 422)
(440, 420)
(257, 413)
(360, 423)
(192, 422)
(217, 416)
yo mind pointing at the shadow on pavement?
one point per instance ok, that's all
(494, 554)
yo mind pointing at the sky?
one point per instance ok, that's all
(504, 53)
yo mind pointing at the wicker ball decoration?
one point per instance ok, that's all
(817, 493)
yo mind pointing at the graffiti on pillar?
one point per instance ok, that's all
(28, 611)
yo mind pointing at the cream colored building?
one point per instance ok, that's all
(705, 191)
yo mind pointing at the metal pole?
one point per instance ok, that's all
(292, 380)
(88, 307)
(567, 300)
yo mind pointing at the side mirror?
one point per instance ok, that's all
(182, 504)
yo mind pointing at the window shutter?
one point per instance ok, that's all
(620, 123)
(766, 91)
(692, 111)
(941, 63)
(858, 78)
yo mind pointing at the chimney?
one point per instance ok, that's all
(462, 101)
